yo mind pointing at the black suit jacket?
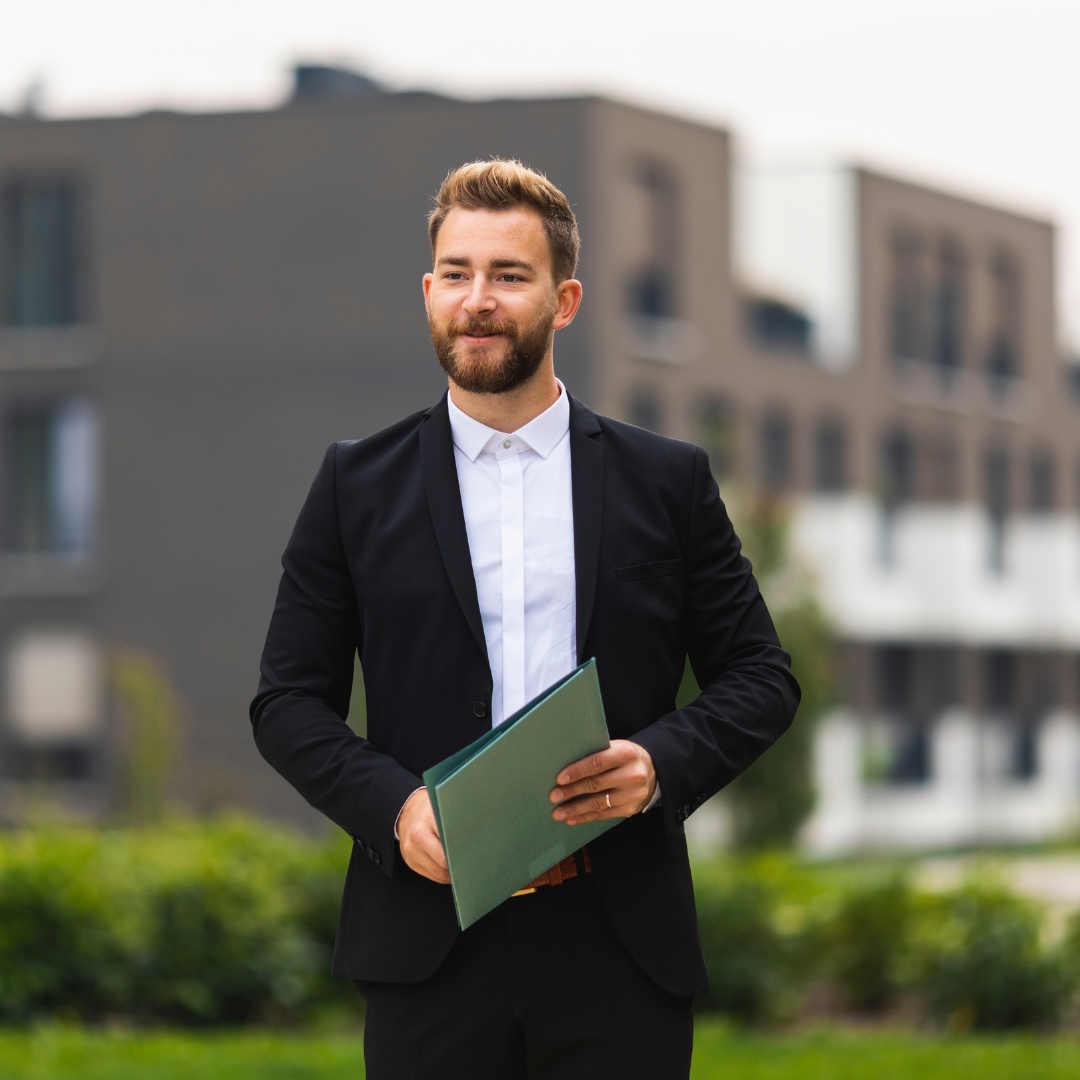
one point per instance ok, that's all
(379, 562)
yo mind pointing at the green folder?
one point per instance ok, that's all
(491, 799)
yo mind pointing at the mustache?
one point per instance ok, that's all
(482, 328)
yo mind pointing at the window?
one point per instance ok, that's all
(897, 488)
(779, 326)
(830, 465)
(996, 494)
(908, 749)
(897, 469)
(651, 290)
(948, 313)
(53, 704)
(39, 256)
(942, 678)
(51, 478)
(999, 681)
(1016, 753)
(1042, 690)
(894, 681)
(1042, 484)
(1072, 377)
(906, 316)
(1003, 355)
(943, 474)
(775, 451)
(716, 435)
(645, 411)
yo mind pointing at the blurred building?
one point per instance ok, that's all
(193, 307)
(936, 454)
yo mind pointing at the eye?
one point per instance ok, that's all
(512, 278)
(454, 275)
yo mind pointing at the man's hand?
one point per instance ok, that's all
(419, 840)
(617, 782)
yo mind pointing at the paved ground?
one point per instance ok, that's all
(1054, 879)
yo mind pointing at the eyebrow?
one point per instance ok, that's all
(496, 264)
(510, 264)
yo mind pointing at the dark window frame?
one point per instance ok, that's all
(830, 456)
(41, 286)
(907, 330)
(776, 450)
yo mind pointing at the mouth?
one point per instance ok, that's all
(479, 339)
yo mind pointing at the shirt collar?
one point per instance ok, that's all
(542, 434)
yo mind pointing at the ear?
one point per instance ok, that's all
(427, 292)
(567, 302)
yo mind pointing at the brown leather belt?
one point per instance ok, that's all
(570, 867)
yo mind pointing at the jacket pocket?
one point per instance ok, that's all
(646, 571)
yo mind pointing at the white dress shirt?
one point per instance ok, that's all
(517, 498)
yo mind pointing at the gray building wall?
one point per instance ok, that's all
(254, 282)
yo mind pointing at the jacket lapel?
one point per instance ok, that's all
(587, 479)
(444, 503)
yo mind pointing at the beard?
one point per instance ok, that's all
(479, 370)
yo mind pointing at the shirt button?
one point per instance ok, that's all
(506, 444)
(479, 709)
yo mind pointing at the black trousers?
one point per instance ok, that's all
(540, 988)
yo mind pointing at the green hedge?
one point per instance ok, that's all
(233, 921)
(213, 923)
(973, 958)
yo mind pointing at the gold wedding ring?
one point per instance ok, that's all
(607, 795)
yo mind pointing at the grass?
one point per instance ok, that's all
(58, 1053)
(53, 1053)
(841, 1055)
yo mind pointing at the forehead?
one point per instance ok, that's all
(483, 235)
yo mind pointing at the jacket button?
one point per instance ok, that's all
(479, 709)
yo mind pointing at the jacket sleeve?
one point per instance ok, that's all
(298, 715)
(749, 696)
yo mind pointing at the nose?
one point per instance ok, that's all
(480, 300)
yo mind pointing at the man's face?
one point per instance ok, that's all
(491, 301)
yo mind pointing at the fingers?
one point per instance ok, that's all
(627, 790)
(428, 863)
(618, 753)
(427, 867)
(627, 776)
(430, 845)
(617, 782)
(625, 802)
(421, 847)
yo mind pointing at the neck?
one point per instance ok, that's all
(514, 409)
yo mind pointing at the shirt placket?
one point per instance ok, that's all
(513, 575)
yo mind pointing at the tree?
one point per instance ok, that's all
(150, 711)
(771, 800)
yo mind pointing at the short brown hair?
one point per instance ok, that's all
(503, 184)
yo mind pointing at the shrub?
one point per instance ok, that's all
(988, 969)
(746, 957)
(869, 941)
(221, 948)
(215, 922)
(63, 946)
(317, 902)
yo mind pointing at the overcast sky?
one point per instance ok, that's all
(978, 97)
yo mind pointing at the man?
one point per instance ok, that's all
(474, 553)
